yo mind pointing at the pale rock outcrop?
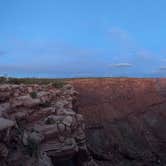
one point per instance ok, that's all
(26, 101)
(6, 123)
(39, 124)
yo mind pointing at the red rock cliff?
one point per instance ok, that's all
(125, 118)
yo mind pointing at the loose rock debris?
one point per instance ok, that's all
(39, 125)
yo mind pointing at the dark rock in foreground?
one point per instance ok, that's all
(40, 127)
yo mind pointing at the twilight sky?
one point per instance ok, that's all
(81, 38)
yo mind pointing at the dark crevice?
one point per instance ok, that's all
(99, 156)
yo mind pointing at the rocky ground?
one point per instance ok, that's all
(40, 126)
(124, 123)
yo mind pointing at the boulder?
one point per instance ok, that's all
(25, 100)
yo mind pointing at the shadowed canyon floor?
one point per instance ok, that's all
(125, 119)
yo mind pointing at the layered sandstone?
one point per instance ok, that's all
(125, 119)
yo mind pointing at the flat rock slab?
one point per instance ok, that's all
(6, 123)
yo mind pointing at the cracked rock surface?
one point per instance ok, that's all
(39, 125)
(125, 119)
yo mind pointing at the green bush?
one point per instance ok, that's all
(33, 95)
(32, 147)
(58, 84)
(50, 121)
(2, 80)
(46, 104)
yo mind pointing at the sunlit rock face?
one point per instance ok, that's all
(125, 119)
(39, 126)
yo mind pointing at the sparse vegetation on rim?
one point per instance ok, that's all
(57, 83)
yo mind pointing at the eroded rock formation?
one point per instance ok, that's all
(39, 126)
(125, 119)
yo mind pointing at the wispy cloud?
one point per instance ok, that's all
(137, 58)
(119, 33)
(52, 57)
(129, 46)
(54, 47)
(162, 68)
(163, 60)
(49, 51)
(2, 53)
(121, 65)
(77, 68)
(160, 72)
(145, 54)
(122, 38)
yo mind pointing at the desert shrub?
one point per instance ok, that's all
(2, 80)
(14, 81)
(33, 95)
(58, 84)
(50, 121)
(46, 104)
(32, 147)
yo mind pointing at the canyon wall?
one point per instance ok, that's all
(125, 122)
(125, 119)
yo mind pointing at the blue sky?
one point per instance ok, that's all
(81, 38)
